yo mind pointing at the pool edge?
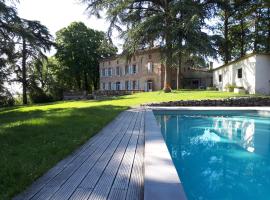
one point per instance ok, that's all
(161, 180)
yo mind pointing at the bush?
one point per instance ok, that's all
(37, 95)
(6, 98)
(230, 87)
(211, 88)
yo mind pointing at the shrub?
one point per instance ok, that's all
(212, 88)
(37, 95)
(230, 87)
(6, 98)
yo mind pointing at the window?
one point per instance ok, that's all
(239, 73)
(118, 86)
(110, 72)
(117, 71)
(117, 62)
(134, 69)
(109, 86)
(126, 69)
(150, 67)
(109, 62)
(134, 85)
(127, 85)
(220, 78)
(103, 72)
(149, 56)
(103, 86)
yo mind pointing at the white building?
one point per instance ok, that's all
(251, 72)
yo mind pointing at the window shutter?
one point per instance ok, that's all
(138, 84)
(137, 69)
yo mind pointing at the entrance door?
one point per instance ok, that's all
(149, 86)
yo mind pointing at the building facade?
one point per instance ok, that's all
(251, 72)
(145, 71)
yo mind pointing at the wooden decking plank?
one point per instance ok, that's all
(93, 176)
(117, 194)
(72, 183)
(102, 188)
(62, 178)
(81, 194)
(123, 174)
(135, 188)
(60, 166)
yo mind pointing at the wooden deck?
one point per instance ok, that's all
(108, 166)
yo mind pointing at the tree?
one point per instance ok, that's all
(34, 40)
(191, 44)
(78, 50)
(8, 30)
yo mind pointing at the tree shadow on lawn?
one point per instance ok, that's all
(33, 142)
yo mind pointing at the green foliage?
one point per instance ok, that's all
(78, 50)
(6, 98)
(230, 87)
(243, 26)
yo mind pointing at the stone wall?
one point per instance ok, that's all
(237, 102)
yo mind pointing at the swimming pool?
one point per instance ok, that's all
(219, 154)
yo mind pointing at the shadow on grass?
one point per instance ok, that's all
(33, 142)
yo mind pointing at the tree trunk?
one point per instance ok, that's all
(168, 49)
(256, 33)
(178, 78)
(24, 81)
(85, 81)
(78, 80)
(226, 34)
(268, 37)
(242, 38)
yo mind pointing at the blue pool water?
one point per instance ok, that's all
(219, 154)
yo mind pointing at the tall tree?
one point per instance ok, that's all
(78, 50)
(191, 43)
(34, 41)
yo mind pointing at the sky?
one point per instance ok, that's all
(57, 14)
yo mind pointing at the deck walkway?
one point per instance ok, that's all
(108, 166)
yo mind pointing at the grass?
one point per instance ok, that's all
(34, 138)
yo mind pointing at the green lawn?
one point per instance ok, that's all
(35, 138)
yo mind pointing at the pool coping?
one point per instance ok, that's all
(161, 180)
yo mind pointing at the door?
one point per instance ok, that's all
(149, 86)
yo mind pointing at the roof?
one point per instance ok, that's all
(240, 59)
